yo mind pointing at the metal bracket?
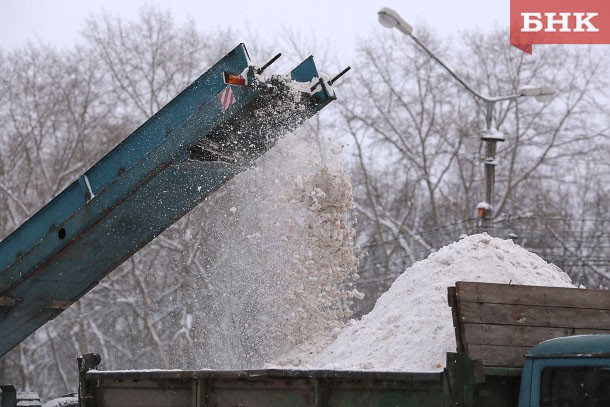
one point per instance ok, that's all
(86, 187)
(86, 362)
(272, 60)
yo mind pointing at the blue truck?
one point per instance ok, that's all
(218, 126)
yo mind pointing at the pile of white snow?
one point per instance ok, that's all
(411, 328)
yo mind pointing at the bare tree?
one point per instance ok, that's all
(406, 139)
(552, 168)
(417, 151)
(150, 60)
(543, 139)
(56, 119)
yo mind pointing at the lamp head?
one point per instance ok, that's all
(542, 93)
(546, 94)
(391, 19)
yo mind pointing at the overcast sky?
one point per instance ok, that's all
(58, 22)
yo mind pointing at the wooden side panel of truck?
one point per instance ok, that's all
(496, 324)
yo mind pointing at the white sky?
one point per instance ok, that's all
(58, 22)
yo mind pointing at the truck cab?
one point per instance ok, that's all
(570, 371)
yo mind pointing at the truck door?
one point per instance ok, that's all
(573, 382)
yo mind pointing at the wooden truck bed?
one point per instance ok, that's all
(496, 324)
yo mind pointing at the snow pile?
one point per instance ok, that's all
(410, 328)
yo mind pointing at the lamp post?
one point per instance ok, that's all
(391, 19)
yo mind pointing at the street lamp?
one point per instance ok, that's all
(391, 19)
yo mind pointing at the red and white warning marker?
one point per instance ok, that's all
(227, 98)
